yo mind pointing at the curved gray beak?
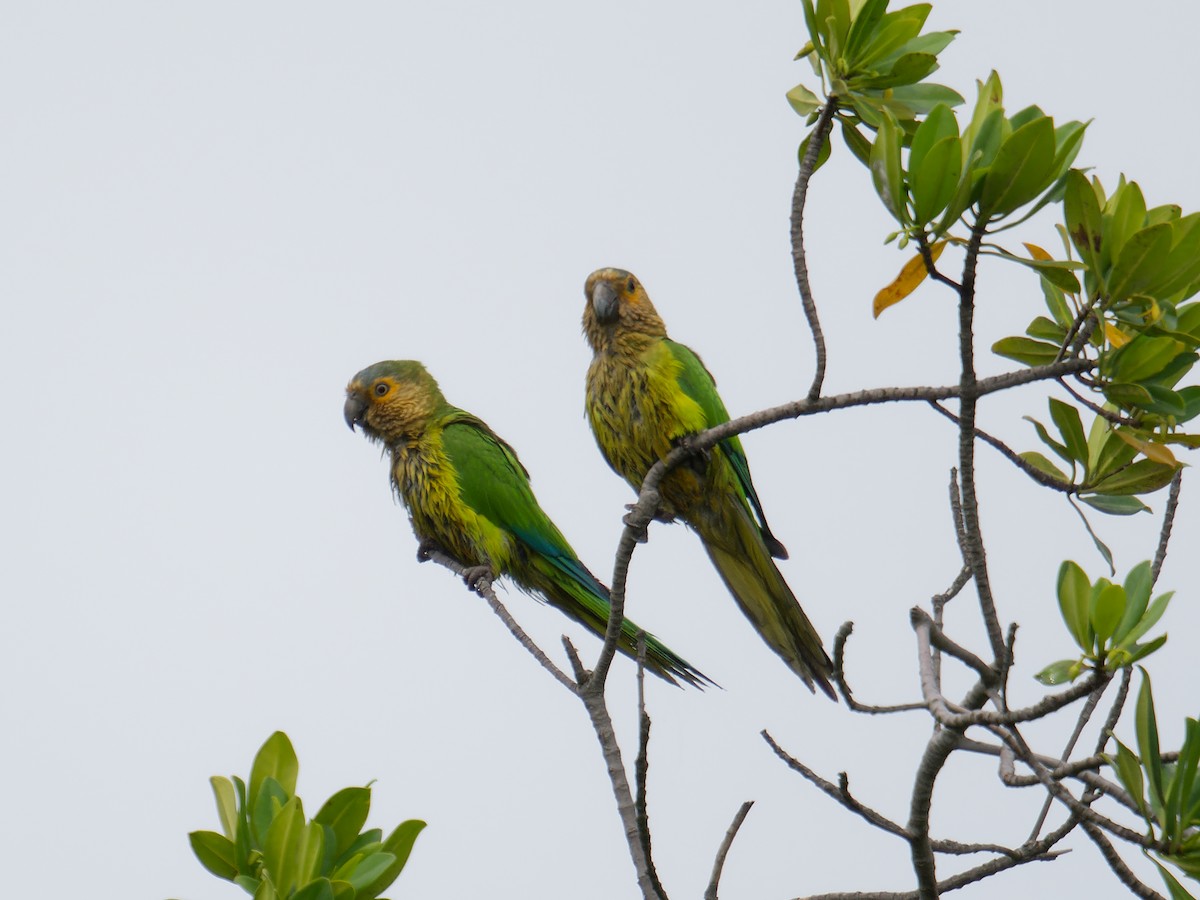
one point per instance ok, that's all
(605, 303)
(354, 410)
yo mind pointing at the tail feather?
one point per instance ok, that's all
(586, 600)
(735, 545)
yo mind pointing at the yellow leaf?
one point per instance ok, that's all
(906, 282)
(1153, 452)
(1115, 335)
(1038, 253)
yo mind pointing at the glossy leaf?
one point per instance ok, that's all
(885, 169)
(1152, 451)
(399, 846)
(276, 759)
(345, 813)
(1150, 618)
(1140, 262)
(1147, 735)
(1061, 672)
(934, 182)
(1107, 608)
(911, 275)
(1074, 594)
(1070, 426)
(1082, 212)
(1023, 168)
(1043, 465)
(321, 889)
(1027, 351)
(804, 101)
(858, 144)
(215, 852)
(1142, 477)
(1129, 771)
(1115, 506)
(282, 844)
(1137, 596)
(226, 805)
(369, 869)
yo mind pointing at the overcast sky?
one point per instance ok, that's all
(213, 214)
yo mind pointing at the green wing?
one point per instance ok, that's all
(493, 482)
(697, 382)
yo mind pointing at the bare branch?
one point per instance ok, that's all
(1012, 456)
(483, 587)
(968, 397)
(739, 817)
(922, 622)
(839, 677)
(641, 766)
(816, 139)
(1123, 872)
(1168, 522)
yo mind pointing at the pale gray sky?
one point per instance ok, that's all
(214, 214)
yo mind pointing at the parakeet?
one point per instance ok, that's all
(469, 495)
(645, 393)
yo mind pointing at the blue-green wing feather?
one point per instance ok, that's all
(697, 382)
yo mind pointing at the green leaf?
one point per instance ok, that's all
(1176, 890)
(1044, 436)
(226, 804)
(283, 846)
(885, 169)
(1141, 651)
(1027, 351)
(276, 759)
(1147, 735)
(368, 842)
(908, 69)
(369, 869)
(804, 101)
(271, 799)
(1043, 465)
(1137, 596)
(1140, 263)
(859, 145)
(321, 889)
(345, 813)
(1082, 213)
(266, 891)
(1023, 168)
(1115, 506)
(1129, 771)
(1107, 608)
(1128, 216)
(1044, 329)
(933, 184)
(1070, 426)
(1153, 613)
(938, 125)
(862, 28)
(1142, 477)
(215, 852)
(1074, 594)
(1061, 672)
(922, 98)
(399, 845)
(1127, 395)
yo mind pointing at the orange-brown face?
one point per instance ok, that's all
(617, 302)
(391, 400)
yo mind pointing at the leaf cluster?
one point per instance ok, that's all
(267, 847)
(1106, 620)
(1166, 793)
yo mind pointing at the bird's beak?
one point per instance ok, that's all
(354, 410)
(605, 303)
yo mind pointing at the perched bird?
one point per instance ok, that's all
(469, 495)
(646, 393)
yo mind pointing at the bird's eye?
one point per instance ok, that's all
(630, 285)
(381, 389)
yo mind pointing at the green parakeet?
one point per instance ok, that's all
(645, 392)
(469, 495)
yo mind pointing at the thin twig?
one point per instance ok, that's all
(1168, 522)
(710, 893)
(816, 140)
(839, 677)
(483, 587)
(1123, 872)
(641, 766)
(1042, 478)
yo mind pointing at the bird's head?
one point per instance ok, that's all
(392, 401)
(617, 304)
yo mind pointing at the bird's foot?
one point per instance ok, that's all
(631, 520)
(475, 576)
(698, 458)
(426, 548)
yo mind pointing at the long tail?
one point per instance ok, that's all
(567, 584)
(735, 545)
